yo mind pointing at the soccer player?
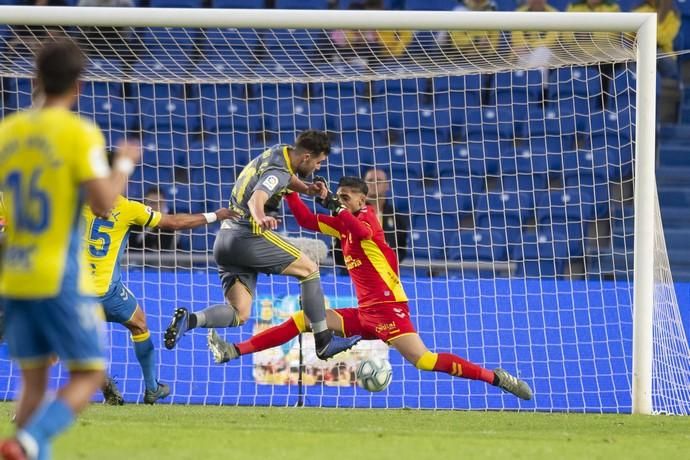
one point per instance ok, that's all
(50, 160)
(383, 312)
(105, 239)
(249, 246)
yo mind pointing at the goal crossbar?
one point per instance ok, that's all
(316, 19)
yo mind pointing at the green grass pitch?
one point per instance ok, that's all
(167, 432)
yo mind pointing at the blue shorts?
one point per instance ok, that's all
(118, 303)
(68, 326)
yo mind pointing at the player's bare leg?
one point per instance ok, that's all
(413, 350)
(272, 337)
(146, 355)
(234, 312)
(35, 382)
(313, 304)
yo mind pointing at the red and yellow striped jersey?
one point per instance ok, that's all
(372, 264)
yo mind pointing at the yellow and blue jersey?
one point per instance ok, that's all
(45, 154)
(106, 239)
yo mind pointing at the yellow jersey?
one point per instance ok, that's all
(534, 39)
(666, 29)
(3, 216)
(106, 239)
(45, 156)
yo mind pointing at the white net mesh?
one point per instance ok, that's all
(510, 168)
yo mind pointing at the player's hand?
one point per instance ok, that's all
(225, 213)
(268, 223)
(318, 188)
(333, 204)
(129, 150)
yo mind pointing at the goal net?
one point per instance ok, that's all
(507, 160)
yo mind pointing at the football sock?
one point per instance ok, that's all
(145, 352)
(313, 302)
(454, 365)
(272, 337)
(219, 315)
(50, 420)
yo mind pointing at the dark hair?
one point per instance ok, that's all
(314, 141)
(355, 183)
(58, 66)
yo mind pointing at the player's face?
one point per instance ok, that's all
(352, 199)
(310, 162)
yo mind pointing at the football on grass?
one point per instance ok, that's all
(374, 374)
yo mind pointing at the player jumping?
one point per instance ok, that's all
(250, 246)
(383, 312)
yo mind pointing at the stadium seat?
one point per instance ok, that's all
(427, 245)
(223, 115)
(170, 115)
(229, 50)
(478, 245)
(17, 93)
(110, 112)
(541, 255)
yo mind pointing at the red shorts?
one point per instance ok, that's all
(384, 322)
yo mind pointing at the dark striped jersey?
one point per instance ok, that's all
(270, 172)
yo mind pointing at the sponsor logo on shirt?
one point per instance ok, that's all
(271, 182)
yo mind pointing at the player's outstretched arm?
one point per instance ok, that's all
(316, 222)
(102, 192)
(317, 188)
(187, 221)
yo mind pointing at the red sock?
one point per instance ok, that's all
(455, 365)
(272, 337)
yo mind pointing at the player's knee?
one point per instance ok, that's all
(306, 267)
(242, 314)
(137, 326)
(426, 362)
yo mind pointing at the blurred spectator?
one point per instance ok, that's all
(153, 239)
(668, 26)
(533, 48)
(365, 47)
(477, 42)
(592, 6)
(395, 226)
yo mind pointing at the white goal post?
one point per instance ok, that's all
(643, 26)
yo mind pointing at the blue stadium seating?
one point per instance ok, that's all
(478, 245)
(541, 254)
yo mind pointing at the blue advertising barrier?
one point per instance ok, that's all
(570, 340)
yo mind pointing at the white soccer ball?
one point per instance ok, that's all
(374, 374)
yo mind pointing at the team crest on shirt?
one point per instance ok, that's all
(271, 182)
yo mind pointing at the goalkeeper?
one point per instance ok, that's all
(383, 312)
